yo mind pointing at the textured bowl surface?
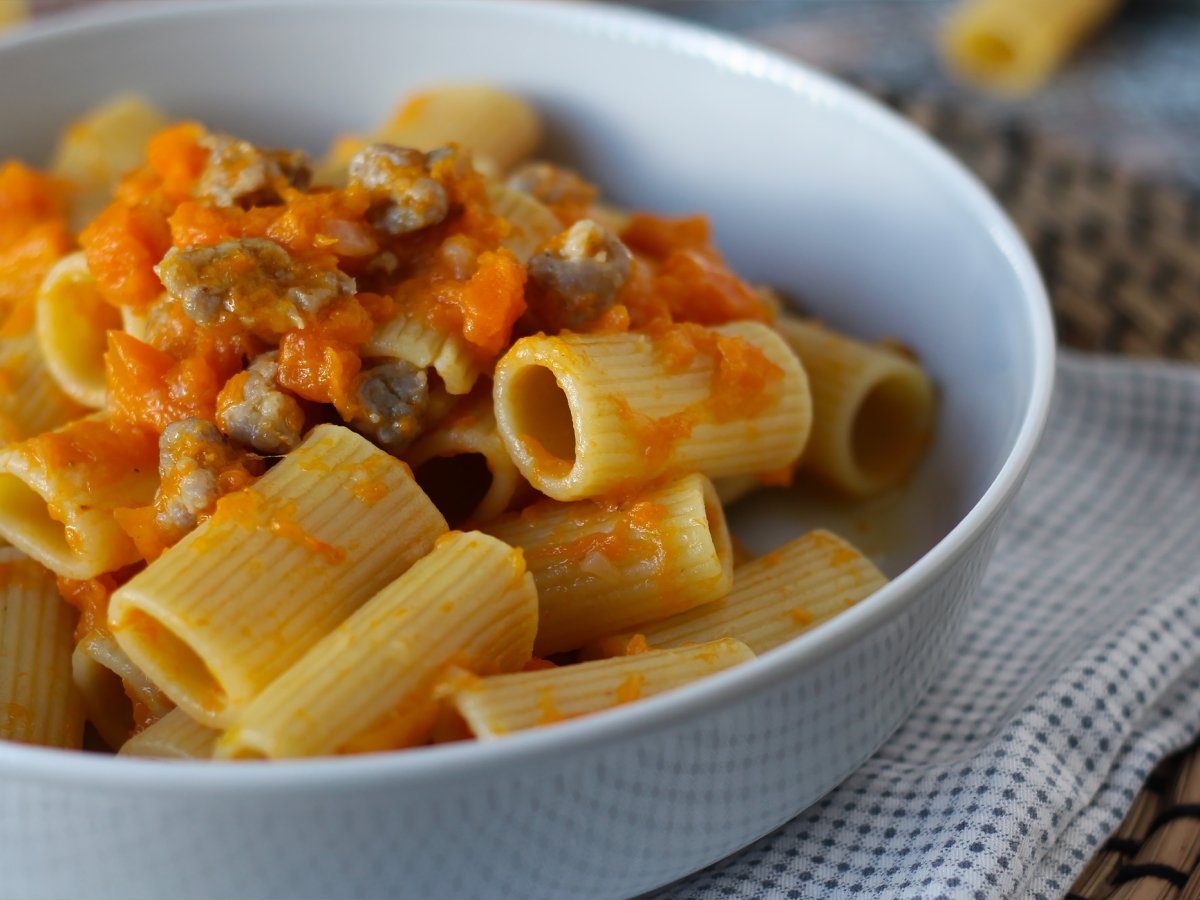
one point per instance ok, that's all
(811, 187)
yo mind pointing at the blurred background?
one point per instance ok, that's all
(1130, 93)
(1129, 90)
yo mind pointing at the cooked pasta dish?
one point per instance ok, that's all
(422, 442)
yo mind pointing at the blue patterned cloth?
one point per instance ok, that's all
(1078, 670)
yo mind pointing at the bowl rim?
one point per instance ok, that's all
(424, 766)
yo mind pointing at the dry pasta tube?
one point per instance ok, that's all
(370, 685)
(175, 736)
(38, 700)
(31, 401)
(500, 129)
(774, 598)
(1015, 45)
(58, 492)
(97, 149)
(221, 614)
(873, 409)
(72, 325)
(584, 415)
(496, 706)
(416, 341)
(597, 565)
(117, 695)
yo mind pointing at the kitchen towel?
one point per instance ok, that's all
(1077, 670)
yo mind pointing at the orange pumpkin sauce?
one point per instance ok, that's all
(152, 389)
(33, 237)
(98, 453)
(686, 279)
(128, 239)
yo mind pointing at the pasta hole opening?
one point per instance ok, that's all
(105, 701)
(541, 411)
(26, 521)
(186, 668)
(714, 513)
(990, 53)
(890, 430)
(457, 484)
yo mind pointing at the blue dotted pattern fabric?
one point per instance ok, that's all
(1078, 670)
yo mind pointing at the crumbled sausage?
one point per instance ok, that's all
(577, 275)
(393, 399)
(405, 197)
(191, 455)
(553, 185)
(265, 418)
(254, 279)
(241, 174)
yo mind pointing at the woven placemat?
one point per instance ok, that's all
(1120, 254)
(1121, 258)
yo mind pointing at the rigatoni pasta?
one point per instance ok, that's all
(775, 598)
(1013, 46)
(312, 540)
(175, 736)
(370, 683)
(600, 568)
(873, 408)
(583, 415)
(463, 465)
(502, 704)
(60, 490)
(246, 396)
(38, 700)
(72, 325)
(118, 696)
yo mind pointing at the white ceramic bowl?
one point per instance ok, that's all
(811, 187)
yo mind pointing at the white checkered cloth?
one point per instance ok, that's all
(1078, 670)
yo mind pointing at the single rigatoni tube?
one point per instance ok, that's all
(775, 598)
(496, 706)
(38, 700)
(1013, 46)
(175, 736)
(72, 325)
(463, 465)
(221, 614)
(370, 685)
(596, 565)
(96, 150)
(873, 409)
(58, 492)
(410, 337)
(31, 401)
(584, 415)
(117, 695)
